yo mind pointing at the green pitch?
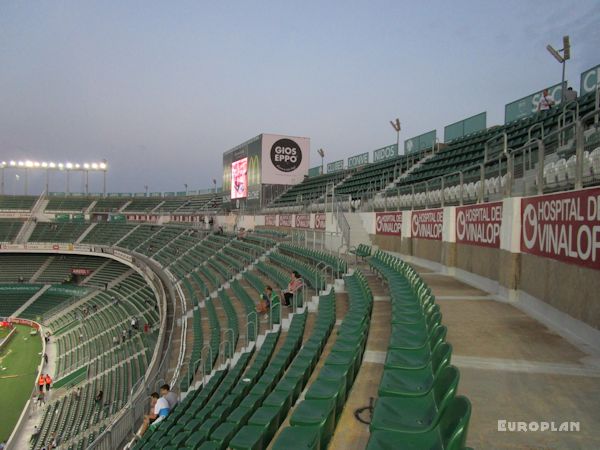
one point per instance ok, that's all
(19, 361)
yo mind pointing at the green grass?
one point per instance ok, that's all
(18, 369)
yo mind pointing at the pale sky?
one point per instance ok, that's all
(162, 89)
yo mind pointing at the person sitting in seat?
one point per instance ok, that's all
(159, 409)
(264, 304)
(293, 286)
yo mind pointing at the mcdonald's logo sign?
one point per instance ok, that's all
(253, 170)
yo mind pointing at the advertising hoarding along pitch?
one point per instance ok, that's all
(528, 105)
(285, 220)
(358, 160)
(564, 227)
(302, 221)
(335, 166)
(428, 224)
(271, 220)
(479, 225)
(388, 223)
(320, 221)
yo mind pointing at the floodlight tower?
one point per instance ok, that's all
(396, 126)
(321, 153)
(562, 59)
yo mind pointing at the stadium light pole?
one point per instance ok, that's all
(186, 188)
(2, 166)
(396, 126)
(321, 153)
(562, 59)
(146, 189)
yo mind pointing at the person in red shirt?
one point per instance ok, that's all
(293, 286)
(41, 382)
(48, 381)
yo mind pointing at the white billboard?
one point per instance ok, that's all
(285, 159)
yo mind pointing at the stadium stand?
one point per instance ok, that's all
(107, 233)
(16, 202)
(68, 204)
(13, 296)
(15, 266)
(9, 229)
(310, 190)
(57, 232)
(109, 204)
(143, 204)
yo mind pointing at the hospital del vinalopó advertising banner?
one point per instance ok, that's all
(564, 227)
(427, 224)
(388, 223)
(479, 224)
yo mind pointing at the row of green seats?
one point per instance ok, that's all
(263, 424)
(337, 264)
(417, 405)
(313, 422)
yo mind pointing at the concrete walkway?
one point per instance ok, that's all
(512, 368)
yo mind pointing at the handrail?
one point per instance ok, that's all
(224, 356)
(255, 323)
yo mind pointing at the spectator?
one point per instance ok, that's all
(48, 381)
(146, 327)
(293, 286)
(159, 409)
(77, 394)
(169, 395)
(115, 340)
(123, 335)
(570, 95)
(36, 432)
(99, 396)
(546, 101)
(41, 382)
(41, 398)
(54, 440)
(264, 304)
(46, 358)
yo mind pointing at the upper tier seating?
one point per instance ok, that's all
(9, 229)
(309, 190)
(143, 204)
(17, 202)
(13, 296)
(57, 232)
(71, 204)
(110, 204)
(15, 265)
(107, 233)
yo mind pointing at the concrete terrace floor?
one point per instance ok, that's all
(512, 368)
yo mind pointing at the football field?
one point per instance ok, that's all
(18, 369)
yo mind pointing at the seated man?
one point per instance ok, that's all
(264, 304)
(151, 418)
(293, 286)
(166, 392)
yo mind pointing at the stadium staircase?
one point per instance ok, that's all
(85, 233)
(42, 268)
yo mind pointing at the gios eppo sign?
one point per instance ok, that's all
(479, 224)
(388, 223)
(285, 159)
(286, 155)
(564, 227)
(427, 224)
